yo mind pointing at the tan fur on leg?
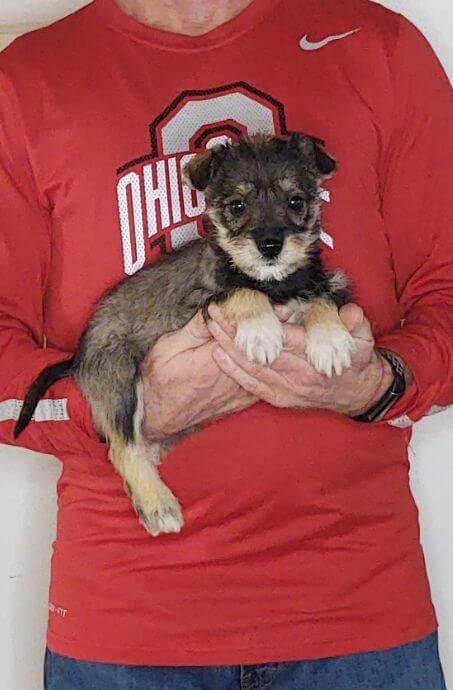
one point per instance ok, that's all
(246, 304)
(156, 506)
(259, 333)
(321, 312)
(329, 345)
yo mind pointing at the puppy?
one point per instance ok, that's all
(261, 249)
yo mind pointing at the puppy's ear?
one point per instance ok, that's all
(202, 168)
(325, 163)
(314, 148)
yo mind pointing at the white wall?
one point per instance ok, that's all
(34, 12)
(27, 500)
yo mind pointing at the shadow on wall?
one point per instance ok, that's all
(5, 39)
(27, 516)
(431, 452)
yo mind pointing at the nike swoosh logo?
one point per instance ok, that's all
(305, 44)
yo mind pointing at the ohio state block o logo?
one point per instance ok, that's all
(194, 121)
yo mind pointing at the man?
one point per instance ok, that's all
(299, 564)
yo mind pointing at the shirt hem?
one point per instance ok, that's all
(300, 651)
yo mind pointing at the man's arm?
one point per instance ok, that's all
(417, 184)
(63, 420)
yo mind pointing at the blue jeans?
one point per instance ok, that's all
(414, 666)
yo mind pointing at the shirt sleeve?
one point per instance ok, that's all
(62, 422)
(417, 184)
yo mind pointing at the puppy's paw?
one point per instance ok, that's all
(260, 338)
(329, 348)
(159, 514)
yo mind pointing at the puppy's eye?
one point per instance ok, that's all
(296, 203)
(237, 207)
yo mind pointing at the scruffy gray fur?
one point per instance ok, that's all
(125, 326)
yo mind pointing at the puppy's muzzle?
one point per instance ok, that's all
(270, 244)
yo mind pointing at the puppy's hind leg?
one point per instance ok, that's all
(157, 508)
(136, 461)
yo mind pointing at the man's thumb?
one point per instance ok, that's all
(356, 322)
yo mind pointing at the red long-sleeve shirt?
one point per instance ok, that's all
(301, 536)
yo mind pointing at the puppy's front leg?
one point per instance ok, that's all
(329, 345)
(259, 333)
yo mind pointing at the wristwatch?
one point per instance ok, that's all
(391, 395)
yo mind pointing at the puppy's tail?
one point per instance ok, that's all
(45, 379)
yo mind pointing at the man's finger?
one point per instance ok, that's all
(238, 374)
(352, 315)
(227, 344)
(356, 322)
(217, 315)
(294, 339)
(283, 312)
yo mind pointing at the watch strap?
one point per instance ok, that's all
(396, 389)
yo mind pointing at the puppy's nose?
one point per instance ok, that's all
(270, 246)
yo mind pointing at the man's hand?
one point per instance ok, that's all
(292, 382)
(183, 384)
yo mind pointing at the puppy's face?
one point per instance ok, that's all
(263, 201)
